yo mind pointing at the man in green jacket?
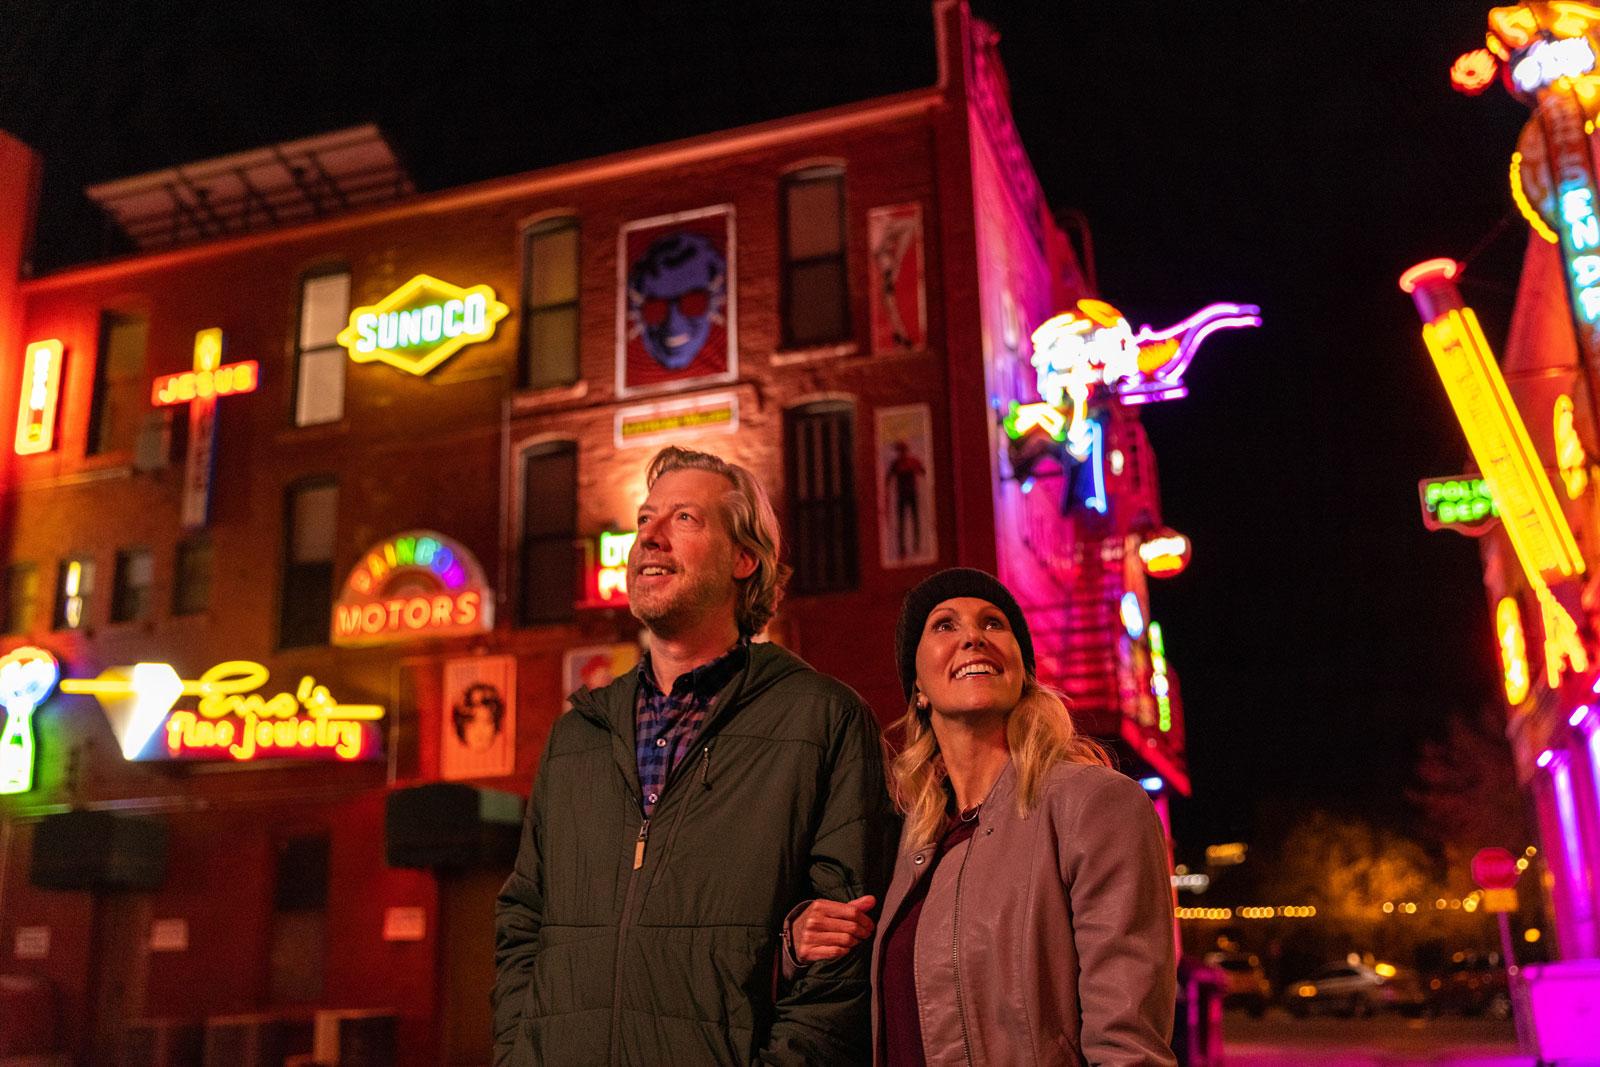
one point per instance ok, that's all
(682, 811)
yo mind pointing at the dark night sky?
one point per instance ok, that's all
(1295, 155)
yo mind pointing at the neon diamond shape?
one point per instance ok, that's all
(421, 324)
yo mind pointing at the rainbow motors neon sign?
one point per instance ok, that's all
(422, 324)
(413, 585)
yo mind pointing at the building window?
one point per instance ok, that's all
(191, 587)
(816, 304)
(121, 394)
(310, 517)
(822, 499)
(549, 557)
(74, 592)
(550, 303)
(298, 954)
(319, 359)
(22, 597)
(130, 585)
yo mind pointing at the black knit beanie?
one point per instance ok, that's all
(947, 585)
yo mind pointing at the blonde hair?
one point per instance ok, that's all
(751, 523)
(1039, 733)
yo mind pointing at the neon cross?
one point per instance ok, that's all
(199, 389)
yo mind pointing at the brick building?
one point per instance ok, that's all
(404, 469)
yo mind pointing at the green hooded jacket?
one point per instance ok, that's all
(621, 942)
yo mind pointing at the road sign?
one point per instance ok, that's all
(1499, 900)
(1494, 868)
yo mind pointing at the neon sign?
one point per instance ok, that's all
(200, 389)
(1093, 347)
(611, 571)
(1547, 61)
(1513, 643)
(41, 390)
(1462, 504)
(1499, 441)
(231, 720)
(1495, 432)
(1132, 615)
(27, 675)
(413, 585)
(1473, 72)
(422, 324)
(1570, 455)
(1165, 555)
(1160, 684)
(210, 376)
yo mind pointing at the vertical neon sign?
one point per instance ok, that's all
(26, 677)
(41, 388)
(1561, 116)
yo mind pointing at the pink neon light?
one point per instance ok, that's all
(1165, 383)
(1567, 816)
(1545, 757)
(1579, 715)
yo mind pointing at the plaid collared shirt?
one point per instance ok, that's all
(667, 724)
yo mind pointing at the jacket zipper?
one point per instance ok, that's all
(639, 844)
(622, 938)
(955, 954)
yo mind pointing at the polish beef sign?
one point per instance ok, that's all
(414, 585)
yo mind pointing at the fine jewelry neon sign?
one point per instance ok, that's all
(413, 585)
(41, 390)
(27, 675)
(232, 720)
(422, 324)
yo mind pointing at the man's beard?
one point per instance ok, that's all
(670, 613)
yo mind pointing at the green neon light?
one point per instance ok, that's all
(26, 677)
(1159, 686)
(1458, 501)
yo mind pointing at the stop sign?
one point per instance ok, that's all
(1494, 868)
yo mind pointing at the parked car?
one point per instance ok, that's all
(1246, 983)
(1471, 984)
(1352, 989)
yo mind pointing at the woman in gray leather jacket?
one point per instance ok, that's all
(1030, 916)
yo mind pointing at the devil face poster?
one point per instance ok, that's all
(676, 297)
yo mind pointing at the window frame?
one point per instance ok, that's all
(530, 451)
(327, 270)
(528, 235)
(787, 263)
(103, 385)
(21, 622)
(122, 565)
(59, 622)
(844, 573)
(289, 577)
(180, 608)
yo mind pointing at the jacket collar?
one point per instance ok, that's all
(612, 707)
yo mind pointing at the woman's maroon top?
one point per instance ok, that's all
(902, 1026)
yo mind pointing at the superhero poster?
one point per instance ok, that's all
(676, 323)
(907, 532)
(899, 306)
(479, 730)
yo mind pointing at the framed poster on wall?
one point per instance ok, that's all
(676, 301)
